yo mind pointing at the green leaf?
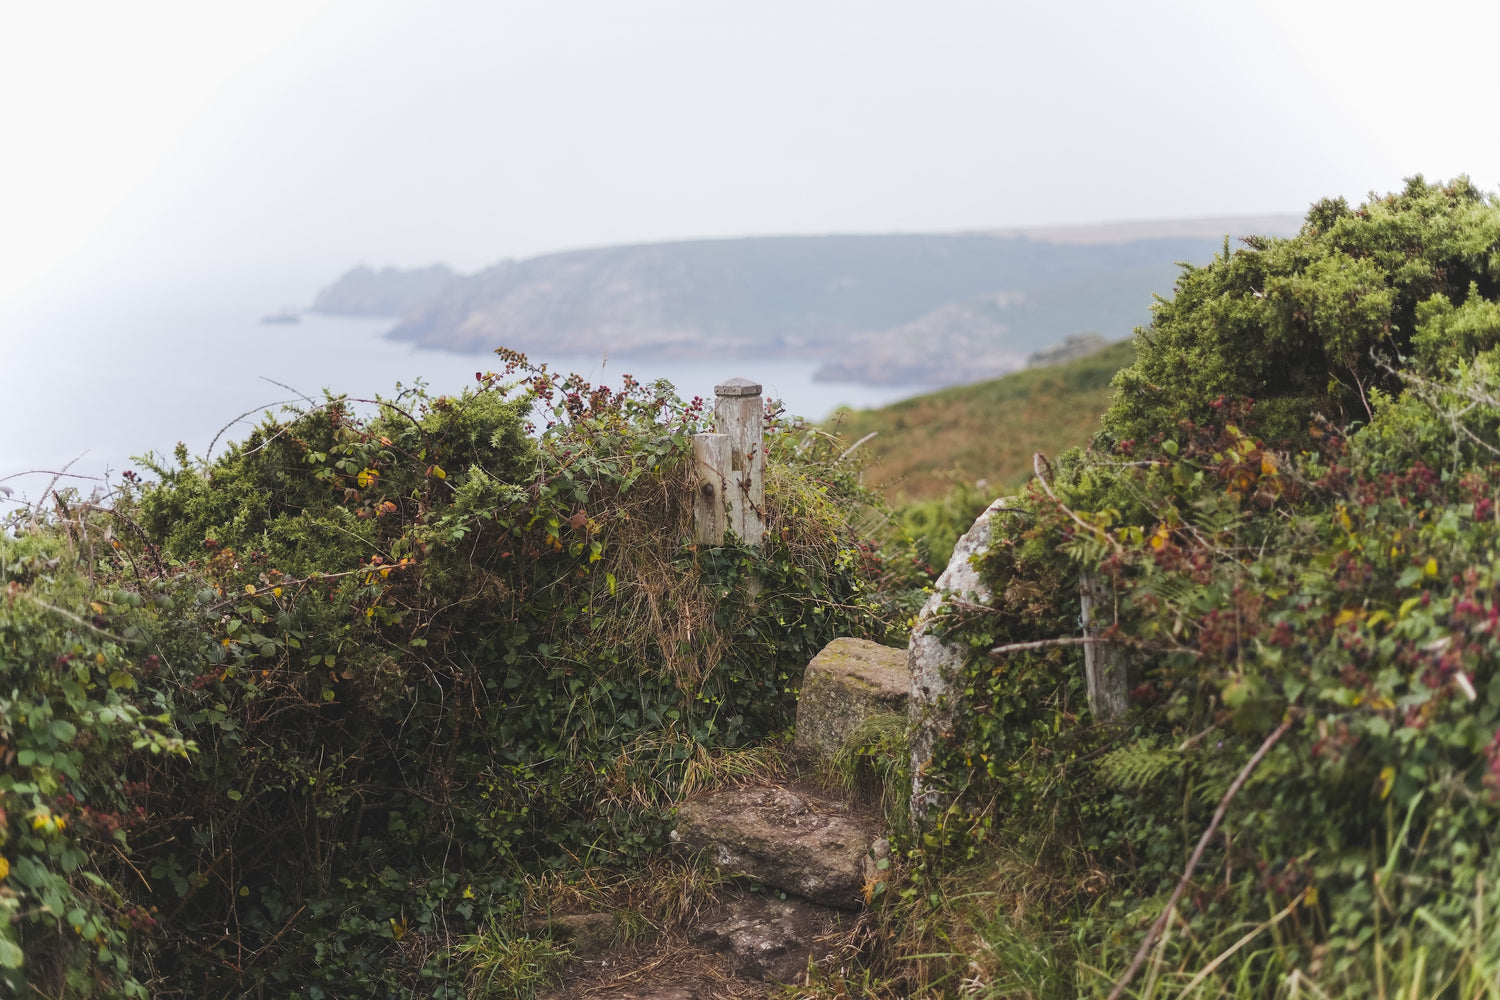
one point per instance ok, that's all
(10, 954)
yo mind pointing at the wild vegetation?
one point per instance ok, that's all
(924, 446)
(310, 718)
(1293, 504)
(940, 460)
(334, 713)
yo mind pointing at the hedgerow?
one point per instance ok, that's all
(1304, 580)
(71, 707)
(407, 655)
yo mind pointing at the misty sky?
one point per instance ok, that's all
(282, 141)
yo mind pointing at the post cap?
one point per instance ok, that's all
(737, 387)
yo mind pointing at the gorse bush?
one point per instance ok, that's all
(420, 653)
(1318, 560)
(1309, 324)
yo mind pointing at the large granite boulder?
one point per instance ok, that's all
(798, 842)
(935, 665)
(845, 684)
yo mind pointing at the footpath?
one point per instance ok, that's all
(799, 862)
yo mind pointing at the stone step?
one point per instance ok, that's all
(800, 842)
(811, 858)
(773, 940)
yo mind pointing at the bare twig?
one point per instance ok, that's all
(288, 388)
(1228, 953)
(269, 588)
(209, 453)
(50, 472)
(1089, 640)
(277, 936)
(1064, 640)
(1192, 865)
(851, 449)
(72, 617)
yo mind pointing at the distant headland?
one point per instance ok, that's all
(927, 308)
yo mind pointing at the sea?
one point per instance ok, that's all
(89, 385)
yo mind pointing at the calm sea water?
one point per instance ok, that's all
(94, 384)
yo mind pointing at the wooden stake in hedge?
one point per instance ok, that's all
(730, 467)
(1103, 662)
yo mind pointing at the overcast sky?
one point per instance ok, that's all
(286, 140)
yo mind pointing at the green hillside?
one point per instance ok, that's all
(988, 430)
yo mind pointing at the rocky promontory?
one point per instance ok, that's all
(389, 291)
(924, 308)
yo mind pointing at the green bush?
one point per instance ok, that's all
(1311, 325)
(424, 652)
(73, 704)
(1342, 583)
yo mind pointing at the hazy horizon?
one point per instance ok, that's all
(286, 142)
(170, 156)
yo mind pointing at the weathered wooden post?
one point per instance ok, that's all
(711, 480)
(730, 467)
(1103, 667)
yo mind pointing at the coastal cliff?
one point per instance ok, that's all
(934, 309)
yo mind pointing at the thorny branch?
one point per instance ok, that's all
(1192, 865)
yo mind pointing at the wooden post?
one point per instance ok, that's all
(741, 415)
(1103, 667)
(711, 486)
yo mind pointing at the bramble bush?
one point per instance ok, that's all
(408, 654)
(1320, 556)
(71, 706)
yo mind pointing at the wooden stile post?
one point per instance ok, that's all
(741, 416)
(730, 467)
(1103, 666)
(711, 481)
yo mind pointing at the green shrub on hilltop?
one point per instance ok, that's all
(1308, 325)
(1340, 584)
